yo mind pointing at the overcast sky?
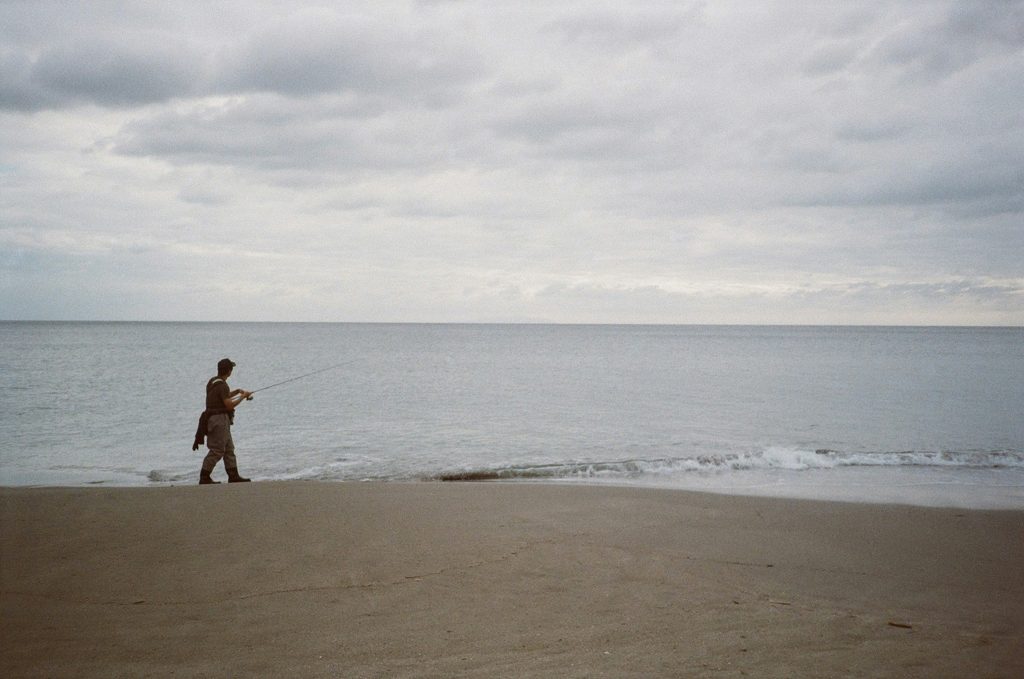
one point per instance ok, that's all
(686, 162)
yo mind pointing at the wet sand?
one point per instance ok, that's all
(310, 579)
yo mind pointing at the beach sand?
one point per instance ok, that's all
(306, 579)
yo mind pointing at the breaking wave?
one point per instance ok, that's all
(780, 458)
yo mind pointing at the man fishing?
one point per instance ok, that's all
(219, 415)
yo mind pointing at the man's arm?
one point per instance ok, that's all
(236, 397)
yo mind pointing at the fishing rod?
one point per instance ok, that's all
(292, 379)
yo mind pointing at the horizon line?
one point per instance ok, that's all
(525, 323)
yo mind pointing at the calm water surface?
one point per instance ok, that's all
(854, 413)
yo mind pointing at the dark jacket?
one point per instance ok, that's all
(205, 416)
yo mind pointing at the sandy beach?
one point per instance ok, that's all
(309, 579)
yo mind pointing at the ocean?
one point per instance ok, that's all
(931, 416)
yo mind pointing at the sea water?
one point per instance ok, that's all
(919, 415)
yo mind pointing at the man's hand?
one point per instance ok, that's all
(237, 397)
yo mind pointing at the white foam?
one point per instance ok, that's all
(931, 487)
(980, 480)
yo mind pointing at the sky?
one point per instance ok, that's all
(783, 162)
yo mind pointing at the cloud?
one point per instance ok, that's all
(837, 302)
(960, 36)
(334, 134)
(115, 73)
(416, 161)
(302, 53)
(638, 28)
(316, 51)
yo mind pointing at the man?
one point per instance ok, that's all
(221, 402)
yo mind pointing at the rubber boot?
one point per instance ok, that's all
(205, 478)
(235, 477)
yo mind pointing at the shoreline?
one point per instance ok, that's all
(306, 578)
(977, 489)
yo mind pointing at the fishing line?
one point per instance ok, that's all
(315, 372)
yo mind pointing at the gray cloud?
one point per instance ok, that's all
(641, 27)
(831, 58)
(962, 35)
(337, 135)
(107, 72)
(317, 50)
(115, 74)
(301, 53)
(419, 161)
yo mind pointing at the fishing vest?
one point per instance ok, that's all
(214, 402)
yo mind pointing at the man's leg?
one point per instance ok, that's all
(218, 437)
(209, 462)
(230, 463)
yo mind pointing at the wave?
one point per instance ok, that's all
(780, 458)
(165, 476)
(639, 470)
